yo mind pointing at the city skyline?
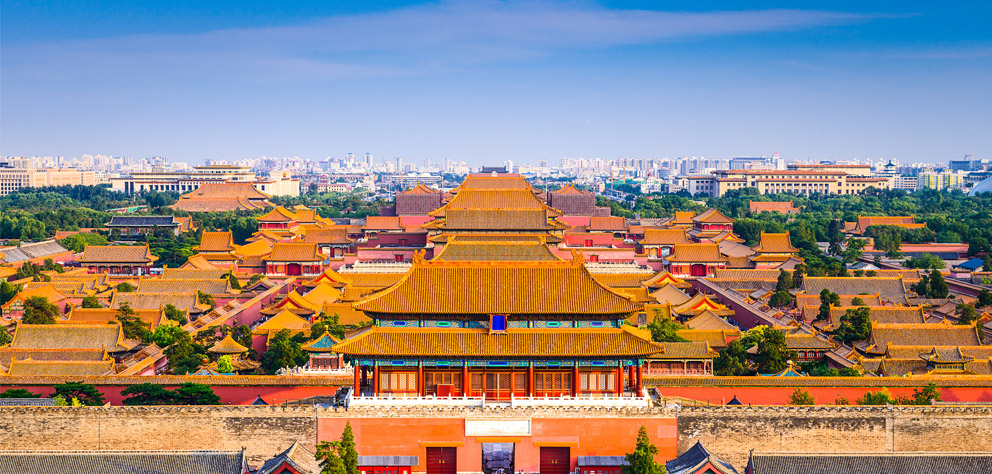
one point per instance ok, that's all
(488, 82)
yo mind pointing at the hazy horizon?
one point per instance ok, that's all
(484, 82)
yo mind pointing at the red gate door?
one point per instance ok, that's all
(441, 461)
(554, 460)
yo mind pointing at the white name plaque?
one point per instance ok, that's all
(490, 427)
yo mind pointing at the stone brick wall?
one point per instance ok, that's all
(262, 431)
(731, 432)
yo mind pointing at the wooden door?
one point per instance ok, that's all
(441, 461)
(498, 385)
(554, 460)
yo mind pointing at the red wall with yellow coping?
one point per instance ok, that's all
(607, 436)
(823, 395)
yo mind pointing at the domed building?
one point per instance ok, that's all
(985, 186)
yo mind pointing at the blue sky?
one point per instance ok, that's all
(488, 81)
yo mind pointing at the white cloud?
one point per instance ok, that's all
(415, 40)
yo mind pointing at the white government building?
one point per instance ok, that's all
(277, 184)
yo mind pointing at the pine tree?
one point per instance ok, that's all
(329, 458)
(349, 456)
(784, 281)
(938, 287)
(641, 461)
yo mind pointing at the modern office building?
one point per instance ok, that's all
(277, 184)
(12, 179)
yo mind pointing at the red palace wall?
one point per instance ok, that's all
(232, 390)
(586, 436)
(822, 395)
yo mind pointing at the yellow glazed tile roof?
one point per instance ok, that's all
(497, 288)
(294, 252)
(665, 237)
(279, 214)
(216, 242)
(703, 253)
(529, 343)
(775, 243)
(712, 216)
(227, 346)
(621, 280)
(939, 334)
(68, 336)
(663, 278)
(518, 251)
(670, 294)
(60, 368)
(117, 254)
(106, 315)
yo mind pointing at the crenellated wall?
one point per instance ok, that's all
(729, 432)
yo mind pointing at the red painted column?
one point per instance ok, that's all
(465, 381)
(575, 380)
(421, 386)
(631, 376)
(619, 381)
(375, 378)
(358, 380)
(640, 378)
(530, 380)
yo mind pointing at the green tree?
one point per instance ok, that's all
(666, 330)
(855, 248)
(987, 264)
(7, 291)
(86, 394)
(125, 287)
(827, 299)
(224, 365)
(642, 461)
(732, 360)
(328, 455)
(772, 352)
(881, 397)
(855, 325)
(132, 326)
(797, 275)
(91, 302)
(857, 301)
(166, 334)
(780, 299)
(172, 313)
(4, 337)
(37, 310)
(283, 351)
(349, 455)
(922, 287)
(984, 298)
(938, 287)
(147, 394)
(18, 393)
(923, 396)
(183, 355)
(205, 298)
(966, 313)
(784, 281)
(190, 393)
(801, 397)
(330, 324)
(78, 242)
(925, 261)
(235, 284)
